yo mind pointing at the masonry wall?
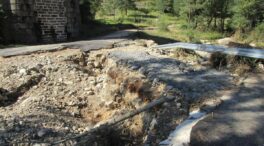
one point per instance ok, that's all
(43, 20)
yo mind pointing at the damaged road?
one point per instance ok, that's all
(45, 97)
(106, 41)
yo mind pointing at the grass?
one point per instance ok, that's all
(165, 26)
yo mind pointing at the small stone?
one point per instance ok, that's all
(169, 88)
(67, 128)
(99, 87)
(92, 80)
(142, 70)
(80, 130)
(17, 129)
(74, 128)
(40, 144)
(178, 105)
(43, 132)
(21, 122)
(97, 64)
(150, 43)
(100, 79)
(90, 92)
(162, 52)
(166, 104)
(103, 58)
(261, 66)
(87, 128)
(134, 67)
(155, 82)
(75, 112)
(23, 71)
(68, 82)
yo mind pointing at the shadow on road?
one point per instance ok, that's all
(238, 121)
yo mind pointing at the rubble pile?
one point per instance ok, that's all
(48, 96)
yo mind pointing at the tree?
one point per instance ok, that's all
(88, 9)
(248, 14)
(160, 7)
(176, 5)
(109, 7)
(217, 11)
(125, 5)
(164, 6)
(204, 13)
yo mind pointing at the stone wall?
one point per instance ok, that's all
(43, 20)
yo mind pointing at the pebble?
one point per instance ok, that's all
(23, 71)
(155, 82)
(90, 92)
(68, 82)
(97, 64)
(134, 67)
(40, 144)
(87, 128)
(179, 105)
(43, 132)
(142, 70)
(74, 128)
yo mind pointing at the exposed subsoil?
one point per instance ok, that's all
(48, 96)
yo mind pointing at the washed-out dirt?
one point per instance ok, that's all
(48, 96)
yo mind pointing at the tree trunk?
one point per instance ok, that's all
(209, 22)
(222, 24)
(215, 23)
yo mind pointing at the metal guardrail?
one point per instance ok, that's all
(246, 52)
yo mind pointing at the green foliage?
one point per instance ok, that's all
(248, 13)
(88, 9)
(193, 20)
(164, 6)
(258, 33)
(176, 5)
(125, 5)
(109, 7)
(160, 7)
(163, 23)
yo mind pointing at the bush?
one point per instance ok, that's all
(163, 23)
(258, 33)
(236, 64)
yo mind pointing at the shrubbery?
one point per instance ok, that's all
(258, 33)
